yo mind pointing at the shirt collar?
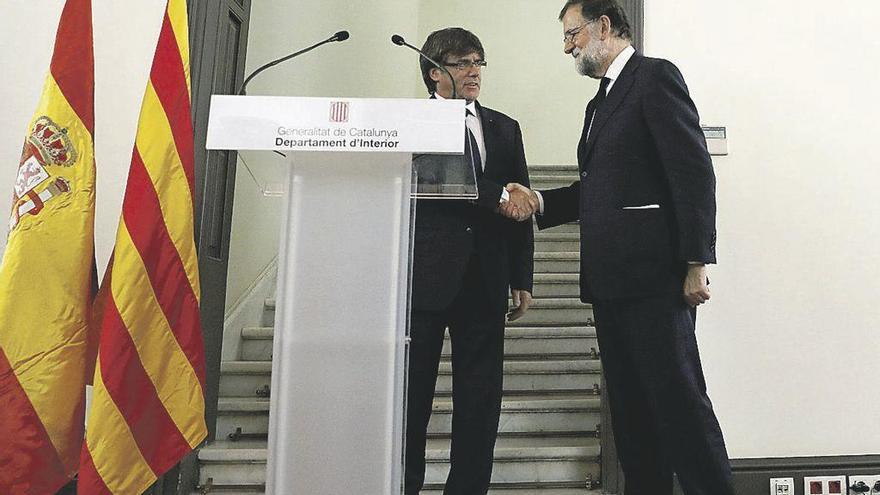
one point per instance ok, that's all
(619, 63)
(472, 106)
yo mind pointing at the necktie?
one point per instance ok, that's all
(472, 147)
(594, 104)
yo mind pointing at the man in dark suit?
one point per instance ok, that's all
(646, 205)
(467, 260)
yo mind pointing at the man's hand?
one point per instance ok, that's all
(515, 209)
(696, 287)
(521, 301)
(522, 205)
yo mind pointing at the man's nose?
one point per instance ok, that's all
(568, 47)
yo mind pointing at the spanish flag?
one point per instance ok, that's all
(45, 276)
(148, 405)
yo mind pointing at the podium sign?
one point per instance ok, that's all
(336, 124)
(339, 352)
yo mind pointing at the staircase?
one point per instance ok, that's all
(548, 442)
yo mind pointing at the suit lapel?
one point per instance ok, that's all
(615, 97)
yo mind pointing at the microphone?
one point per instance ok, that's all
(399, 41)
(340, 36)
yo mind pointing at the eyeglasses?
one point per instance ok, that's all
(571, 33)
(467, 64)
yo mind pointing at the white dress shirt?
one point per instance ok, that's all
(474, 124)
(617, 66)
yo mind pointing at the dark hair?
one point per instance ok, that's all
(594, 9)
(446, 42)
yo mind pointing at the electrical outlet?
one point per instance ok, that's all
(781, 486)
(825, 485)
(862, 484)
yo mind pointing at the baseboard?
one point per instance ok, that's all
(752, 476)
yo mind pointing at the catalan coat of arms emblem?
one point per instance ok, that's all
(47, 145)
(339, 111)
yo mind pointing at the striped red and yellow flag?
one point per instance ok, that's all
(45, 276)
(148, 405)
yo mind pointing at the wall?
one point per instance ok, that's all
(790, 338)
(528, 76)
(367, 65)
(123, 54)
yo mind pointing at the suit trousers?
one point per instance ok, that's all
(662, 417)
(476, 331)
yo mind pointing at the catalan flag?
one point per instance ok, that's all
(148, 405)
(45, 276)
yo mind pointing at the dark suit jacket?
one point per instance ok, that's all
(646, 147)
(449, 232)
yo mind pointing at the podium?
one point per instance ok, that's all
(336, 417)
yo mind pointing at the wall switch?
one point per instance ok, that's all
(825, 485)
(862, 484)
(716, 139)
(781, 486)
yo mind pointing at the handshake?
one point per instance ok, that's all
(521, 205)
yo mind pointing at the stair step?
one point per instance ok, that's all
(529, 376)
(555, 285)
(557, 262)
(551, 181)
(517, 460)
(545, 302)
(570, 171)
(546, 413)
(234, 463)
(534, 414)
(561, 311)
(550, 240)
(581, 374)
(568, 228)
(251, 415)
(545, 343)
(564, 311)
(524, 460)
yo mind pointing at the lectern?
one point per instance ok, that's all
(339, 357)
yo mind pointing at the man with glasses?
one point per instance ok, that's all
(467, 259)
(645, 200)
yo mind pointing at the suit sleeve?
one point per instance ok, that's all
(490, 194)
(561, 205)
(675, 127)
(522, 235)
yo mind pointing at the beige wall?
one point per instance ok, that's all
(528, 77)
(791, 337)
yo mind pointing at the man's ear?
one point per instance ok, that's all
(435, 74)
(604, 27)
